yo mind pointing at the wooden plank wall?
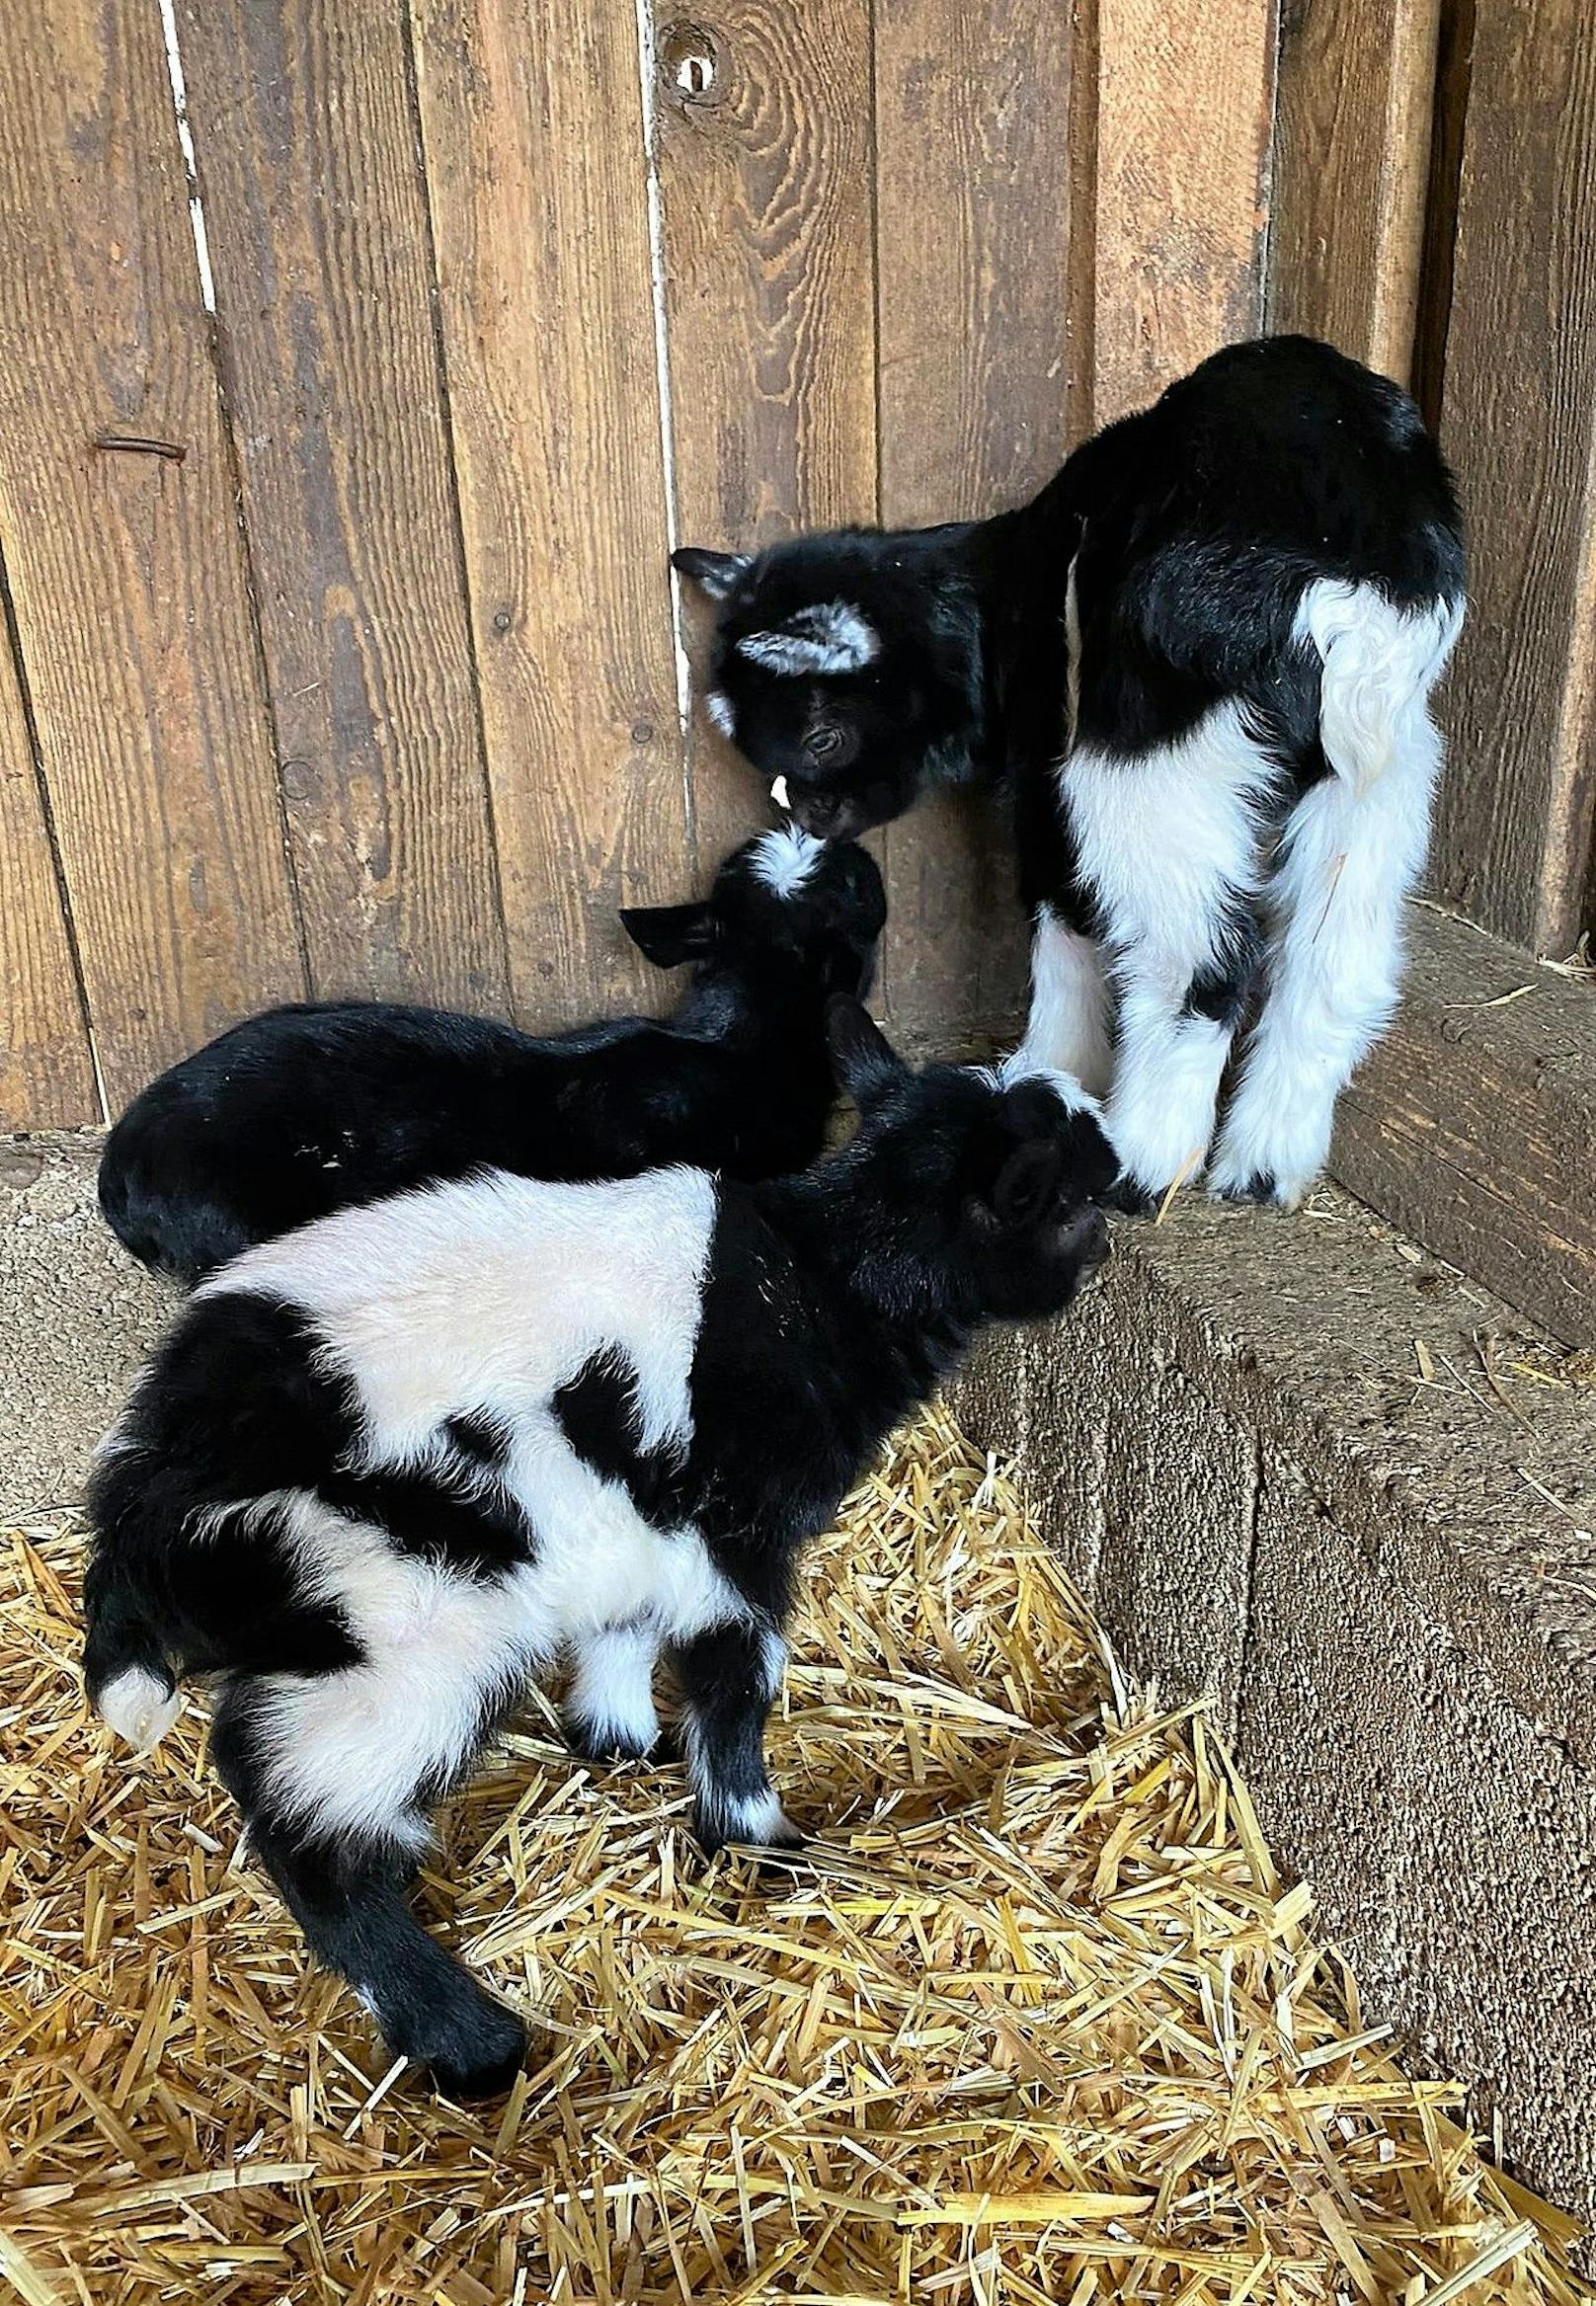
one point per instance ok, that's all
(364, 671)
(363, 675)
(1435, 212)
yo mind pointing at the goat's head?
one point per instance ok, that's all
(845, 668)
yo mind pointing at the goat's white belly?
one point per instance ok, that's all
(596, 1560)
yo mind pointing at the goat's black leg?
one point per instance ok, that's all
(728, 1678)
(346, 1892)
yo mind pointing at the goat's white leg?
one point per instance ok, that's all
(1167, 845)
(1352, 852)
(609, 1708)
(1070, 1027)
(1332, 972)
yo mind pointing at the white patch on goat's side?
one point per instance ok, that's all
(1167, 843)
(831, 636)
(613, 1688)
(138, 1706)
(488, 1292)
(480, 1298)
(718, 705)
(1379, 663)
(1348, 860)
(785, 858)
(1069, 1030)
(362, 1750)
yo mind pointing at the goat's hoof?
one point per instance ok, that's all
(1258, 1189)
(603, 1743)
(486, 2065)
(1128, 1198)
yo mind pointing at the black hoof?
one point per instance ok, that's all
(486, 2065)
(602, 1743)
(1259, 1190)
(1128, 1197)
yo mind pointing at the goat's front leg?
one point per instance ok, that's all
(728, 1678)
(609, 1708)
(1176, 1025)
(1070, 1027)
(1168, 844)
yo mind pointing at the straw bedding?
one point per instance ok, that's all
(1039, 2021)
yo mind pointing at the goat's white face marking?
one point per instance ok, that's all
(830, 637)
(785, 858)
(718, 705)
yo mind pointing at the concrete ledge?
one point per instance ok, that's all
(1293, 1464)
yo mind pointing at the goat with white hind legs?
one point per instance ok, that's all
(1198, 665)
(388, 1468)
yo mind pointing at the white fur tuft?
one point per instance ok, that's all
(718, 705)
(785, 858)
(1379, 663)
(138, 1706)
(830, 637)
(1069, 1026)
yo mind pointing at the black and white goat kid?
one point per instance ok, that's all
(309, 1109)
(384, 1470)
(1198, 665)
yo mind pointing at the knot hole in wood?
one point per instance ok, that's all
(689, 61)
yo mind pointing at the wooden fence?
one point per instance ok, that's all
(342, 651)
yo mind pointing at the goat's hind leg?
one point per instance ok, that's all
(1352, 852)
(344, 1876)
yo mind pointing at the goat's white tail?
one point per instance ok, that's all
(1379, 663)
(138, 1706)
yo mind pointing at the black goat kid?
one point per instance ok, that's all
(1199, 665)
(305, 1110)
(385, 1470)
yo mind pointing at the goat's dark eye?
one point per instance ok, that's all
(821, 744)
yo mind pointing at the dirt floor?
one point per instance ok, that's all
(1036, 2020)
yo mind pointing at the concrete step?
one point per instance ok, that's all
(1303, 1467)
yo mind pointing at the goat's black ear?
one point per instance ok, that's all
(714, 573)
(669, 934)
(1026, 1181)
(864, 1061)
